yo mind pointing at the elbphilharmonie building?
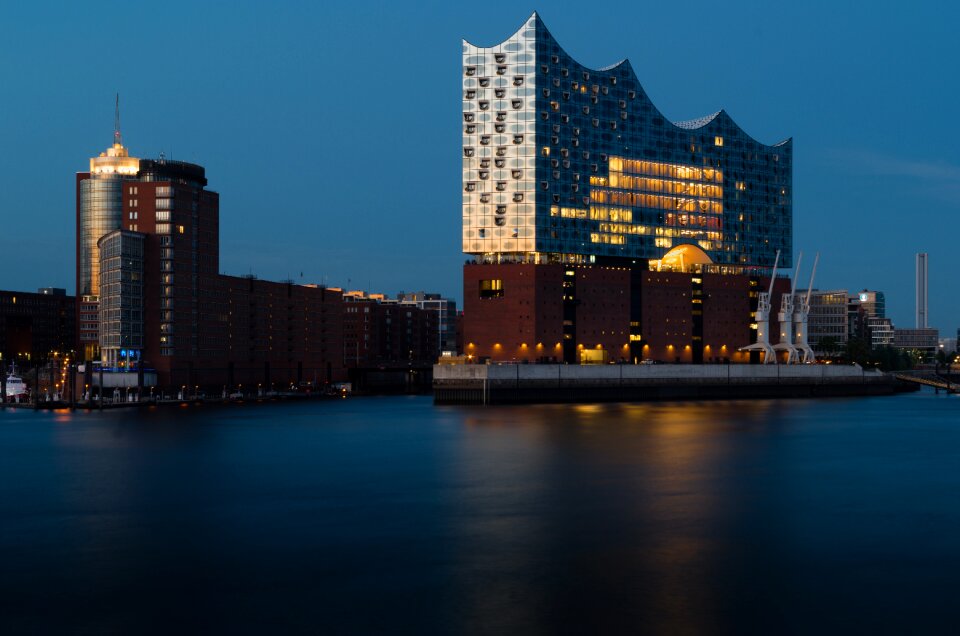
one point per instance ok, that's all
(568, 164)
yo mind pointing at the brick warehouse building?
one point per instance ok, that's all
(553, 313)
(601, 231)
(35, 325)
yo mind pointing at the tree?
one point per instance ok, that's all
(829, 346)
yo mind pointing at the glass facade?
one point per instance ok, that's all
(121, 299)
(566, 163)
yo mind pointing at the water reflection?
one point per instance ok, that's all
(377, 516)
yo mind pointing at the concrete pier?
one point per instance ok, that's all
(532, 383)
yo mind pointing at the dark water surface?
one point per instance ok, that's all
(388, 515)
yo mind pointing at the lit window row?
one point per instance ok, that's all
(670, 170)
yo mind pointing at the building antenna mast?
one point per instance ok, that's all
(117, 139)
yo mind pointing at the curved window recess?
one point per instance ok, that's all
(485, 198)
(516, 103)
(566, 95)
(544, 69)
(501, 70)
(471, 94)
(518, 139)
(595, 122)
(623, 103)
(484, 163)
(499, 58)
(556, 83)
(586, 110)
(556, 198)
(623, 116)
(555, 59)
(501, 116)
(516, 174)
(468, 117)
(502, 151)
(575, 187)
(499, 221)
(556, 174)
(484, 82)
(484, 105)
(501, 186)
(554, 163)
(605, 90)
(546, 92)
(470, 187)
(593, 99)
(471, 70)
(603, 157)
(544, 185)
(632, 94)
(518, 197)
(468, 152)
(518, 80)
(566, 163)
(499, 93)
(586, 76)
(585, 154)
(593, 167)
(484, 140)
(564, 152)
(544, 115)
(575, 143)
(575, 85)
(556, 128)
(484, 175)
(555, 105)
(586, 200)
(499, 162)
(471, 129)
(501, 209)
(499, 127)
(564, 72)
(554, 140)
(565, 119)
(613, 125)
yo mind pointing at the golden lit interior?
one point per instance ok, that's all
(682, 258)
(692, 196)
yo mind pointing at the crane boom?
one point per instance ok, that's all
(773, 274)
(796, 273)
(812, 274)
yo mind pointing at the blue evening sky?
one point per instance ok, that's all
(332, 130)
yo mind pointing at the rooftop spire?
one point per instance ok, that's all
(117, 138)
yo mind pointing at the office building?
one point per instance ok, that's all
(582, 204)
(828, 319)
(922, 316)
(99, 211)
(926, 341)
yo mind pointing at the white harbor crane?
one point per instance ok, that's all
(763, 321)
(801, 305)
(786, 319)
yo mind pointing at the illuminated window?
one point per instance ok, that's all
(718, 141)
(491, 288)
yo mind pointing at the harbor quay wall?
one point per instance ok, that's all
(528, 383)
